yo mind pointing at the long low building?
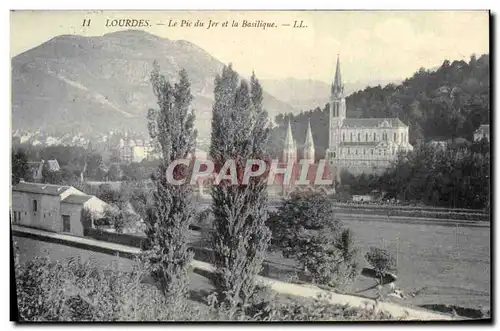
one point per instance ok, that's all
(54, 208)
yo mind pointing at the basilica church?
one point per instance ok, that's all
(358, 145)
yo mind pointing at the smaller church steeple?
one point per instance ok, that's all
(309, 145)
(290, 149)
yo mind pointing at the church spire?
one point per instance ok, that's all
(337, 87)
(290, 149)
(309, 138)
(309, 145)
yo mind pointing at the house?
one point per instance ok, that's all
(482, 132)
(363, 198)
(54, 208)
(36, 168)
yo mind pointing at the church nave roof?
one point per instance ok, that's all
(373, 123)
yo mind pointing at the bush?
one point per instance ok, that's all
(79, 290)
(267, 306)
(325, 259)
(82, 291)
(86, 218)
(204, 219)
(107, 194)
(381, 260)
(302, 212)
(304, 228)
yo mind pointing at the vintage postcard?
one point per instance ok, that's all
(250, 166)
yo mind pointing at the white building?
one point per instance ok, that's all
(482, 132)
(136, 151)
(362, 144)
(53, 207)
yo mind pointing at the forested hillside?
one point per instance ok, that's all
(446, 103)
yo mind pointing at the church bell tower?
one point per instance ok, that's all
(337, 115)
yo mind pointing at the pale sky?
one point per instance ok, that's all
(372, 44)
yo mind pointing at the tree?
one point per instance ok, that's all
(304, 228)
(381, 260)
(86, 218)
(107, 194)
(301, 212)
(171, 125)
(20, 169)
(114, 172)
(95, 167)
(239, 132)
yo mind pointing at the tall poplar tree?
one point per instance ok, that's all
(239, 132)
(171, 126)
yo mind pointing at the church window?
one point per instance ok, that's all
(351, 137)
(374, 136)
(359, 136)
(371, 151)
(364, 151)
(334, 154)
(348, 151)
(343, 136)
(394, 136)
(356, 151)
(401, 136)
(366, 137)
(384, 136)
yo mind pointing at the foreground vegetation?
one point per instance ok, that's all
(80, 291)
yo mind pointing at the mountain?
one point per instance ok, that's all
(307, 94)
(94, 84)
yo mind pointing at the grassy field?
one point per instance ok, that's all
(443, 264)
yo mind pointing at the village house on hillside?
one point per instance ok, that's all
(53, 207)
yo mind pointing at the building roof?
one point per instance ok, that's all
(75, 198)
(47, 189)
(373, 123)
(359, 143)
(53, 165)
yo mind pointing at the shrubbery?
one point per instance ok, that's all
(204, 219)
(305, 228)
(381, 260)
(79, 290)
(82, 291)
